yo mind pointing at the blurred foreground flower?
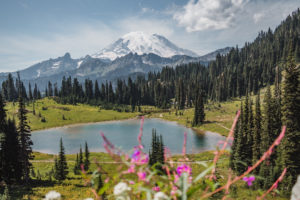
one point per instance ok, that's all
(52, 195)
(249, 180)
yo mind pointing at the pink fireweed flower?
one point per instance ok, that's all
(176, 178)
(156, 188)
(142, 176)
(131, 182)
(174, 190)
(138, 157)
(131, 169)
(249, 180)
(183, 168)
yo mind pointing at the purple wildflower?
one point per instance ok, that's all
(249, 180)
(183, 168)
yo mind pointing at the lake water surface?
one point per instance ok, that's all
(122, 134)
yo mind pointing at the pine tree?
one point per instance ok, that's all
(99, 185)
(199, 114)
(239, 154)
(61, 166)
(233, 154)
(30, 92)
(250, 129)
(257, 132)
(290, 118)
(76, 166)
(86, 159)
(25, 140)
(10, 154)
(156, 155)
(80, 157)
(2, 129)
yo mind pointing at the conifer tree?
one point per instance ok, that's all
(250, 129)
(25, 140)
(87, 156)
(80, 157)
(61, 166)
(239, 154)
(2, 129)
(290, 118)
(156, 155)
(76, 166)
(199, 114)
(257, 132)
(10, 151)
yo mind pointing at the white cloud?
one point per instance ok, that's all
(257, 17)
(19, 51)
(208, 15)
(150, 26)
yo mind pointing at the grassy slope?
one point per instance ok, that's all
(73, 114)
(73, 187)
(218, 116)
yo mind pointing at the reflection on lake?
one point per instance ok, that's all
(123, 134)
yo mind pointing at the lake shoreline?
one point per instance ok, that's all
(84, 123)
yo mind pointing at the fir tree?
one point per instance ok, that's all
(80, 157)
(10, 151)
(156, 155)
(87, 156)
(290, 118)
(257, 132)
(199, 114)
(61, 167)
(25, 141)
(76, 166)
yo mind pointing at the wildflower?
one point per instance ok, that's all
(183, 168)
(160, 196)
(121, 188)
(53, 195)
(131, 169)
(174, 190)
(131, 182)
(249, 180)
(176, 178)
(156, 188)
(142, 176)
(138, 157)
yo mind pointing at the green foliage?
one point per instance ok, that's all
(290, 118)
(199, 114)
(86, 158)
(156, 155)
(61, 167)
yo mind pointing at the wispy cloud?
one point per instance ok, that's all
(257, 17)
(208, 15)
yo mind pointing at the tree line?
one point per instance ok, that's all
(15, 144)
(258, 128)
(242, 70)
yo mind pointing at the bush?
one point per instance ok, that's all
(43, 119)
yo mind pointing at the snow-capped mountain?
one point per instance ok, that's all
(135, 53)
(142, 43)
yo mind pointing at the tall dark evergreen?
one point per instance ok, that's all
(257, 132)
(290, 118)
(2, 129)
(199, 114)
(61, 166)
(156, 154)
(86, 157)
(25, 140)
(11, 165)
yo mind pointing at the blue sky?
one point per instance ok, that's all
(36, 30)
